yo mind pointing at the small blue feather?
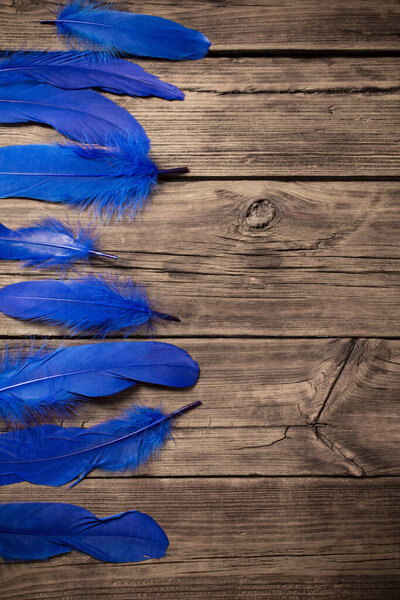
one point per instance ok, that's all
(49, 243)
(54, 455)
(92, 24)
(79, 70)
(95, 304)
(39, 530)
(113, 181)
(42, 384)
(82, 115)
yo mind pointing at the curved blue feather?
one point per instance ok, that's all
(39, 530)
(53, 455)
(46, 383)
(78, 70)
(112, 181)
(82, 115)
(95, 304)
(91, 24)
(49, 243)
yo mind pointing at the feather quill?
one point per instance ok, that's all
(39, 530)
(82, 115)
(79, 70)
(113, 181)
(54, 455)
(49, 243)
(46, 383)
(95, 304)
(92, 24)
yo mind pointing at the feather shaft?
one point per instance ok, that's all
(39, 530)
(79, 70)
(116, 180)
(53, 455)
(47, 383)
(93, 25)
(94, 304)
(49, 243)
(83, 115)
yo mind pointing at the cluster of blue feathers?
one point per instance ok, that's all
(105, 166)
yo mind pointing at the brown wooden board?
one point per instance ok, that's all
(279, 251)
(251, 258)
(232, 538)
(237, 25)
(263, 135)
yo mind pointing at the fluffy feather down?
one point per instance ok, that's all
(95, 304)
(49, 243)
(53, 455)
(116, 180)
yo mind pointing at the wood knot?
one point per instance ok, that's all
(260, 213)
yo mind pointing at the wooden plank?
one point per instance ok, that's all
(232, 538)
(239, 25)
(366, 399)
(278, 409)
(263, 134)
(307, 256)
(283, 388)
(281, 74)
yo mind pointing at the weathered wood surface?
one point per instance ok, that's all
(281, 74)
(233, 538)
(268, 490)
(311, 407)
(238, 25)
(266, 135)
(252, 257)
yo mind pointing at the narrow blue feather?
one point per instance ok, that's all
(95, 304)
(39, 530)
(92, 24)
(48, 383)
(82, 115)
(53, 455)
(49, 243)
(112, 181)
(79, 70)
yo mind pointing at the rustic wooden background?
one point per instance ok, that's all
(280, 252)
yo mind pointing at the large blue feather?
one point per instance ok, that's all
(116, 180)
(49, 243)
(82, 115)
(79, 70)
(47, 383)
(39, 530)
(95, 304)
(90, 23)
(54, 455)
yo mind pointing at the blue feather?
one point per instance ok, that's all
(82, 115)
(53, 455)
(46, 383)
(91, 24)
(79, 70)
(49, 243)
(116, 180)
(94, 304)
(39, 530)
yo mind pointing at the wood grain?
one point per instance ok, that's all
(303, 407)
(262, 134)
(232, 538)
(367, 392)
(249, 75)
(237, 25)
(302, 255)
